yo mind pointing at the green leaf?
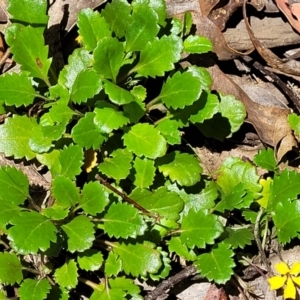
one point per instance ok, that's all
(235, 171)
(108, 294)
(141, 29)
(123, 220)
(80, 232)
(116, 94)
(159, 56)
(117, 166)
(10, 268)
(203, 75)
(7, 212)
(216, 265)
(94, 198)
(183, 168)
(207, 107)
(122, 9)
(195, 199)
(195, 233)
(266, 159)
(180, 90)
(16, 89)
(55, 212)
(89, 23)
(66, 276)
(86, 85)
(138, 259)
(169, 130)
(15, 134)
(86, 134)
(233, 110)
(144, 172)
(159, 6)
(124, 284)
(14, 185)
(71, 160)
(113, 265)
(287, 227)
(108, 57)
(33, 56)
(145, 140)
(65, 191)
(29, 12)
(197, 44)
(79, 60)
(51, 160)
(31, 289)
(31, 232)
(238, 237)
(90, 260)
(107, 118)
(285, 187)
(162, 202)
(175, 245)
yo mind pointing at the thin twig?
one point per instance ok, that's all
(126, 198)
(171, 282)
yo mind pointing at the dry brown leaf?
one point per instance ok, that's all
(270, 122)
(289, 67)
(215, 293)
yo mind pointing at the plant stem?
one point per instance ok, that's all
(89, 283)
(152, 102)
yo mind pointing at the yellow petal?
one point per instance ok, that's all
(289, 290)
(90, 160)
(277, 282)
(295, 270)
(265, 193)
(282, 268)
(296, 280)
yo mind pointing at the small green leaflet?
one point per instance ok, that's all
(86, 85)
(159, 6)
(65, 192)
(108, 57)
(10, 268)
(122, 9)
(94, 198)
(183, 168)
(71, 160)
(16, 89)
(86, 134)
(117, 166)
(286, 186)
(66, 276)
(29, 12)
(113, 265)
(145, 140)
(14, 185)
(29, 237)
(233, 110)
(79, 60)
(138, 259)
(31, 289)
(216, 265)
(7, 212)
(203, 75)
(159, 56)
(266, 159)
(108, 118)
(108, 294)
(180, 90)
(286, 220)
(169, 130)
(197, 44)
(33, 56)
(162, 202)
(238, 237)
(123, 220)
(196, 233)
(117, 94)
(141, 29)
(175, 245)
(294, 122)
(144, 172)
(125, 284)
(90, 260)
(89, 23)
(55, 212)
(80, 232)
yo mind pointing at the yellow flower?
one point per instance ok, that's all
(288, 277)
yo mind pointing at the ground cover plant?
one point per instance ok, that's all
(128, 194)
